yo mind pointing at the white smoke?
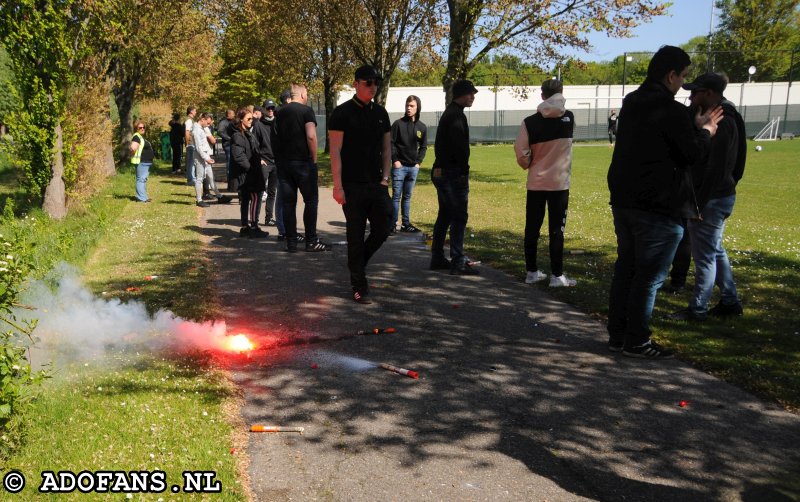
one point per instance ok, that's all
(75, 325)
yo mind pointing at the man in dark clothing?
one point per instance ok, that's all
(409, 145)
(176, 129)
(450, 176)
(262, 132)
(271, 171)
(295, 148)
(361, 164)
(225, 131)
(612, 126)
(650, 187)
(715, 187)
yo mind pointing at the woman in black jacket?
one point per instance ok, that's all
(246, 168)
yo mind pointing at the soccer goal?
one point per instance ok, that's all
(770, 131)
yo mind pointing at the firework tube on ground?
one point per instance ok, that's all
(275, 428)
(375, 331)
(400, 371)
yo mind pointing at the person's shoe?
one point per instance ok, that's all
(647, 350)
(291, 248)
(208, 196)
(224, 199)
(535, 277)
(440, 264)
(257, 233)
(409, 228)
(316, 246)
(281, 237)
(722, 310)
(393, 230)
(201, 203)
(561, 281)
(687, 315)
(672, 287)
(362, 298)
(270, 222)
(463, 269)
(301, 237)
(244, 232)
(615, 344)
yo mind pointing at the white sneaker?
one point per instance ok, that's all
(561, 281)
(535, 277)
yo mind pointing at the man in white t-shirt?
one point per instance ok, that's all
(203, 160)
(190, 113)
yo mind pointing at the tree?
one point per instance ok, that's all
(9, 101)
(534, 28)
(762, 34)
(45, 39)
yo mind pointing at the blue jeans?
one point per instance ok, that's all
(710, 259)
(646, 243)
(294, 176)
(403, 180)
(190, 178)
(453, 194)
(142, 171)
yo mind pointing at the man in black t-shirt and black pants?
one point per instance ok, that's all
(295, 147)
(361, 163)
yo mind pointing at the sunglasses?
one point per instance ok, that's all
(140, 127)
(371, 81)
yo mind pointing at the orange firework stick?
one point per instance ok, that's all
(400, 371)
(274, 428)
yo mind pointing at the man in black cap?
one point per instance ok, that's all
(361, 164)
(450, 175)
(716, 194)
(270, 170)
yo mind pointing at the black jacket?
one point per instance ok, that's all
(262, 131)
(656, 145)
(409, 141)
(225, 131)
(452, 141)
(721, 171)
(245, 162)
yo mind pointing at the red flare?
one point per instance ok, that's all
(239, 343)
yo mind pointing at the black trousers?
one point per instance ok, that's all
(177, 154)
(365, 202)
(556, 202)
(294, 176)
(681, 261)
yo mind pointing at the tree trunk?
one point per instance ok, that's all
(123, 97)
(330, 104)
(462, 25)
(55, 198)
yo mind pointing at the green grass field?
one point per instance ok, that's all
(760, 351)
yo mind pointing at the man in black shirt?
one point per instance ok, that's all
(361, 155)
(270, 172)
(225, 131)
(295, 148)
(450, 176)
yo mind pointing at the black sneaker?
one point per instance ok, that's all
(209, 196)
(673, 288)
(362, 298)
(244, 231)
(616, 344)
(257, 233)
(409, 228)
(687, 315)
(316, 246)
(648, 350)
(440, 264)
(270, 222)
(722, 310)
(301, 237)
(203, 204)
(463, 269)
(291, 247)
(224, 199)
(281, 237)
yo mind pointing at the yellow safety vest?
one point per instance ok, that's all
(137, 157)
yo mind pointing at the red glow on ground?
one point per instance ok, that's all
(239, 343)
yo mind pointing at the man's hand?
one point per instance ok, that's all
(338, 195)
(708, 120)
(397, 164)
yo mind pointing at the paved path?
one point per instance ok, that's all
(518, 398)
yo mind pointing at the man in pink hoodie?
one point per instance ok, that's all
(544, 148)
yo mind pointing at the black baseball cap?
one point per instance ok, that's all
(713, 81)
(367, 72)
(462, 88)
(269, 104)
(286, 96)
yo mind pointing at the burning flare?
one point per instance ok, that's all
(240, 343)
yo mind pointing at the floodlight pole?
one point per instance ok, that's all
(624, 70)
(788, 90)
